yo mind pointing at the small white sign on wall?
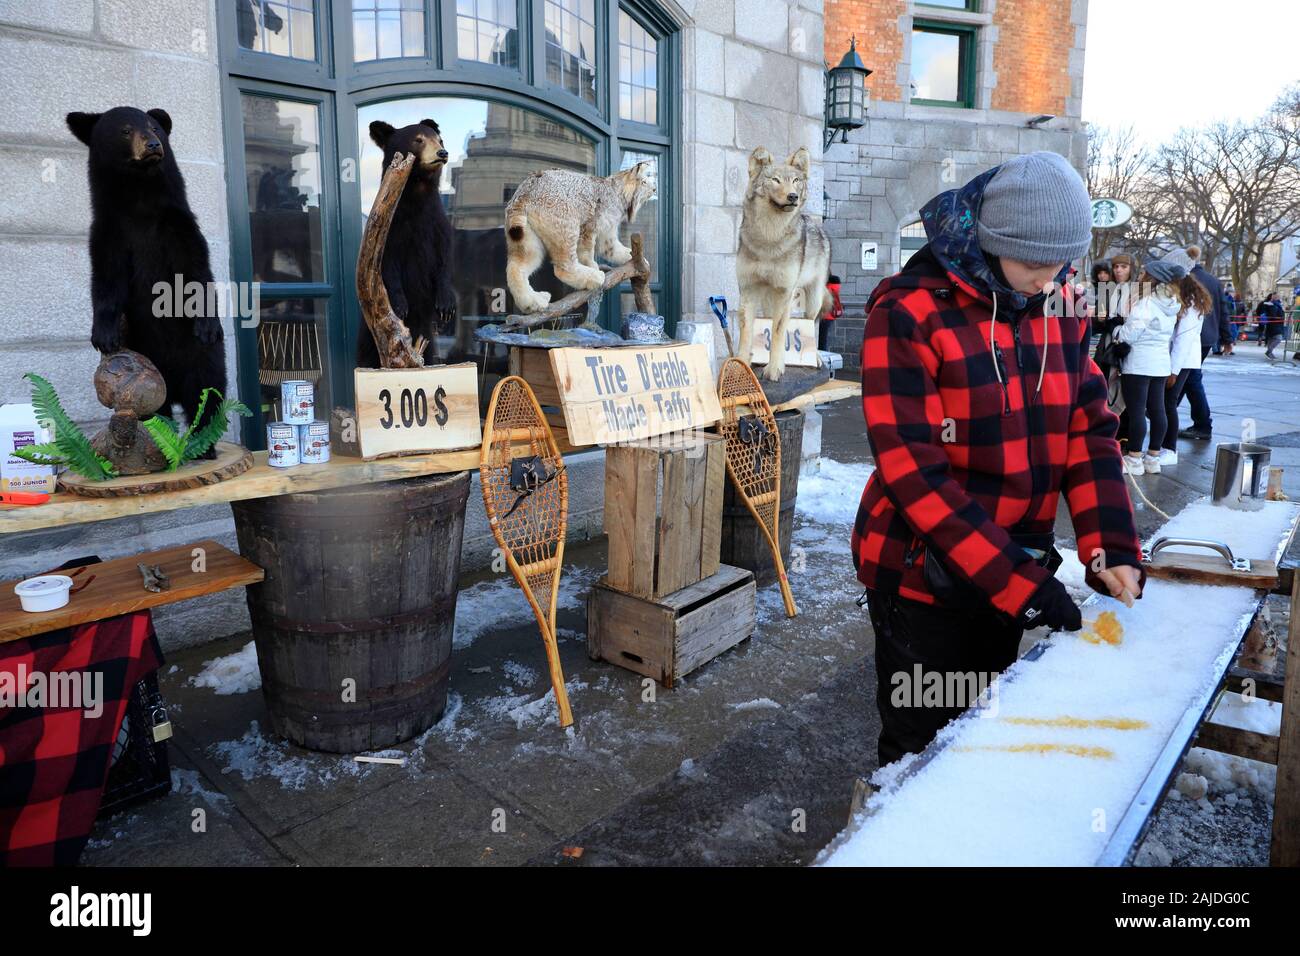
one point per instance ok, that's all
(870, 256)
(816, 201)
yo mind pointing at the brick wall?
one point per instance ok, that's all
(1030, 58)
(875, 23)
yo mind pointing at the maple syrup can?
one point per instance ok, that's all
(297, 402)
(281, 445)
(314, 443)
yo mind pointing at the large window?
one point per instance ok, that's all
(943, 64)
(516, 86)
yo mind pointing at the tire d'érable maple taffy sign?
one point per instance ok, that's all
(408, 410)
(624, 394)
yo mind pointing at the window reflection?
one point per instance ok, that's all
(638, 72)
(492, 148)
(487, 31)
(278, 27)
(387, 29)
(647, 217)
(282, 163)
(571, 46)
(936, 65)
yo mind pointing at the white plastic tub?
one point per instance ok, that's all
(49, 592)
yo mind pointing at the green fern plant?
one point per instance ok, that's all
(70, 447)
(179, 448)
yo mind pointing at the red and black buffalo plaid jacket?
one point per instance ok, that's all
(54, 759)
(963, 459)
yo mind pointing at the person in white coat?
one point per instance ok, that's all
(1148, 332)
(1184, 348)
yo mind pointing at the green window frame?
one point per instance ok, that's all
(338, 88)
(968, 37)
(967, 6)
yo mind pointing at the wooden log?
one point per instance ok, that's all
(1240, 743)
(636, 269)
(1285, 849)
(392, 337)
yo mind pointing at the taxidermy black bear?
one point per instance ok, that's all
(417, 256)
(142, 232)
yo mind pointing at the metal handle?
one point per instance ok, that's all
(1236, 564)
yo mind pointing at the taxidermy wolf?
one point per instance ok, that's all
(573, 217)
(782, 249)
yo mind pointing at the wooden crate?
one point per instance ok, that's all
(534, 367)
(670, 637)
(663, 512)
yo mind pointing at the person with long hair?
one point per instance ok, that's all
(1185, 353)
(1148, 332)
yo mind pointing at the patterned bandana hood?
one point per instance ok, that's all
(951, 222)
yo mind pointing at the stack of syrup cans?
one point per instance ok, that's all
(298, 438)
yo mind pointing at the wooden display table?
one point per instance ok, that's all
(118, 587)
(260, 481)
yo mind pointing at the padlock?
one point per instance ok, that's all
(162, 727)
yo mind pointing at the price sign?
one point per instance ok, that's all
(800, 342)
(408, 410)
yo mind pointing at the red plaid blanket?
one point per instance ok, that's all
(62, 699)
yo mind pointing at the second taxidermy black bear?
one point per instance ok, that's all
(142, 232)
(417, 255)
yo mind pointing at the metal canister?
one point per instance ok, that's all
(281, 445)
(314, 443)
(297, 402)
(1241, 475)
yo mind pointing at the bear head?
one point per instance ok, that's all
(423, 139)
(125, 138)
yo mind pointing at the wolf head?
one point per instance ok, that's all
(784, 186)
(423, 139)
(635, 186)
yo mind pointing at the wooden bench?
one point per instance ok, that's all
(117, 587)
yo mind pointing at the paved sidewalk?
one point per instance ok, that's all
(749, 760)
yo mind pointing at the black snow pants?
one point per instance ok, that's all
(960, 643)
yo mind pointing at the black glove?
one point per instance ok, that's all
(1051, 605)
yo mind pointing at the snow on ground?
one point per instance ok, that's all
(235, 673)
(1043, 776)
(1250, 360)
(498, 602)
(831, 496)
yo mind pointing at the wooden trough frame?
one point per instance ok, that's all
(1190, 731)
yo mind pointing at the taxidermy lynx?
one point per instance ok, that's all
(572, 217)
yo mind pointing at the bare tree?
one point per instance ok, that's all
(1234, 187)
(1117, 165)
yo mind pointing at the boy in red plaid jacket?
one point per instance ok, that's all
(982, 409)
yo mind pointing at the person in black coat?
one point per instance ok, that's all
(1271, 317)
(1215, 330)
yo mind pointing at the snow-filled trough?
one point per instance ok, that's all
(1078, 739)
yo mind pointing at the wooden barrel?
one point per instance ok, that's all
(354, 620)
(743, 544)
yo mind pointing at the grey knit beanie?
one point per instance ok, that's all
(1036, 209)
(1169, 269)
(1180, 257)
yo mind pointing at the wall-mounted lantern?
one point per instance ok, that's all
(846, 96)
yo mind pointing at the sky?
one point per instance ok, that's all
(1161, 64)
